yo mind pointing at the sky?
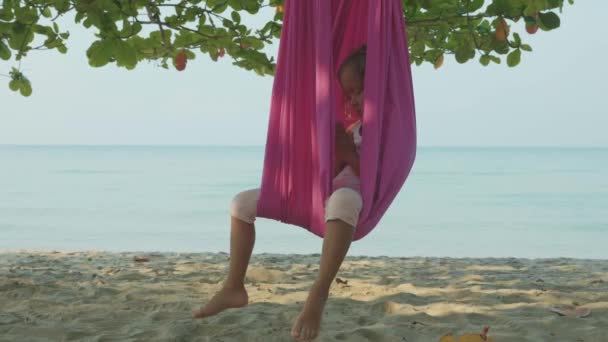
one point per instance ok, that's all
(555, 97)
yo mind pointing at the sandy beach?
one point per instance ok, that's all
(101, 296)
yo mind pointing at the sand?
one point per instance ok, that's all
(100, 296)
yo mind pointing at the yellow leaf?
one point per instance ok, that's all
(474, 338)
(439, 62)
(483, 337)
(447, 338)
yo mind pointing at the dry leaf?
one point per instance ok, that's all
(483, 337)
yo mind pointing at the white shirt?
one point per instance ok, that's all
(355, 128)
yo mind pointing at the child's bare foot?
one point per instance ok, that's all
(224, 299)
(308, 323)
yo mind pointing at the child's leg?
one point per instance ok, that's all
(242, 240)
(342, 215)
(242, 235)
(342, 210)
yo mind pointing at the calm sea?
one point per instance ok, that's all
(457, 202)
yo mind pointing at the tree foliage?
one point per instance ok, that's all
(172, 32)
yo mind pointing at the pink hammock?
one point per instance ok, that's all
(297, 176)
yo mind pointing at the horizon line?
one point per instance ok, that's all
(233, 145)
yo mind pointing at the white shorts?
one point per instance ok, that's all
(343, 204)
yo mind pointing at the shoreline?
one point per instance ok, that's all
(98, 295)
(278, 254)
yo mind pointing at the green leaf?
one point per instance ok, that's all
(136, 28)
(18, 41)
(517, 39)
(514, 58)
(236, 17)
(418, 48)
(5, 52)
(46, 12)
(62, 5)
(5, 27)
(484, 27)
(100, 53)
(14, 85)
(26, 88)
(19, 28)
(484, 60)
(502, 47)
(526, 47)
(6, 11)
(251, 6)
(463, 54)
(78, 17)
(125, 54)
(26, 14)
(475, 5)
(39, 29)
(126, 28)
(227, 23)
(221, 7)
(550, 20)
(235, 4)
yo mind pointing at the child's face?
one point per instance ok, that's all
(352, 86)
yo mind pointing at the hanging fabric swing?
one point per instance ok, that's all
(307, 102)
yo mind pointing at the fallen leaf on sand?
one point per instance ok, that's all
(483, 337)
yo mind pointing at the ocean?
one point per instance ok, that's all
(529, 202)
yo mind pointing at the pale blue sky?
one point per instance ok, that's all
(555, 97)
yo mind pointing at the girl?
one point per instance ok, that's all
(342, 213)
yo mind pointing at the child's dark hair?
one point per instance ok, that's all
(356, 60)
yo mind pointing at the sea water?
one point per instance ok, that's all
(457, 202)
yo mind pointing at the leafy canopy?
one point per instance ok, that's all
(128, 32)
